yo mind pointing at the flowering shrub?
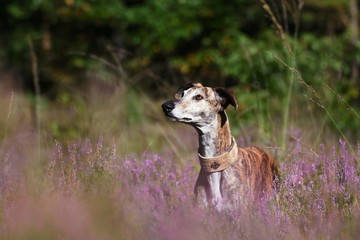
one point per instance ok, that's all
(91, 192)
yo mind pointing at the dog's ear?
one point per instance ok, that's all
(226, 97)
(180, 90)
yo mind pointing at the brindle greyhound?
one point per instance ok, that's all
(228, 173)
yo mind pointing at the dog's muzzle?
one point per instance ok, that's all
(168, 106)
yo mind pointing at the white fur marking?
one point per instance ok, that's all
(214, 182)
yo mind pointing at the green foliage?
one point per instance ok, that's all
(158, 42)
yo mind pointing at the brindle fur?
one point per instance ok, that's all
(250, 178)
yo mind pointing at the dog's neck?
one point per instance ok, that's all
(215, 137)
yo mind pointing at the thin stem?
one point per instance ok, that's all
(35, 73)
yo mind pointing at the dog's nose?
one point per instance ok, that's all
(168, 106)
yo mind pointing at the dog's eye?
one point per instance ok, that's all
(199, 97)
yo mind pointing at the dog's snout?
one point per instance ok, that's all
(168, 106)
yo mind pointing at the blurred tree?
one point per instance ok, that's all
(354, 40)
(160, 41)
(157, 43)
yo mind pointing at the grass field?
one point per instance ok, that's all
(108, 165)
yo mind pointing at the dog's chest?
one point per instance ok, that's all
(230, 182)
(222, 185)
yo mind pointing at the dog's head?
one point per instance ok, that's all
(196, 104)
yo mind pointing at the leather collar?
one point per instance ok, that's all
(221, 162)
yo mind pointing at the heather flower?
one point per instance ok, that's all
(316, 196)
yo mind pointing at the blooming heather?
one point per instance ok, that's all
(90, 191)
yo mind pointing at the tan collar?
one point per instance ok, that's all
(221, 162)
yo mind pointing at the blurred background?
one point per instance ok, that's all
(72, 69)
(86, 152)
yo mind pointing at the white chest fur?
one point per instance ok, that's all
(214, 180)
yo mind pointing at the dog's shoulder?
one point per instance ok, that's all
(258, 167)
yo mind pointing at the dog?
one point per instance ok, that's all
(228, 174)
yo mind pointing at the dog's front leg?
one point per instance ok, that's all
(200, 192)
(207, 191)
(200, 196)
